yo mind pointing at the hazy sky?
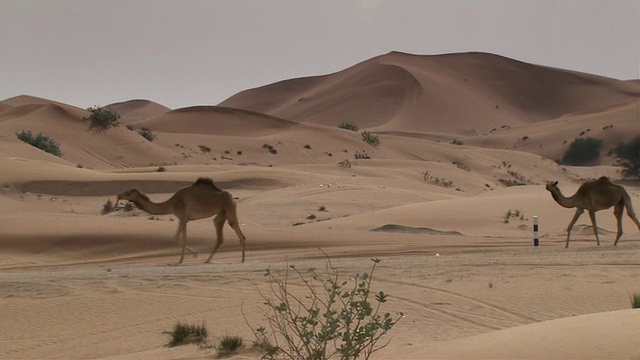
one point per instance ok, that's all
(181, 53)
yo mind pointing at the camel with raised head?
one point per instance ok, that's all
(201, 200)
(594, 196)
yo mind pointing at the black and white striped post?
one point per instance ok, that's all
(536, 241)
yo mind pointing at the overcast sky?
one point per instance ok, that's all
(182, 53)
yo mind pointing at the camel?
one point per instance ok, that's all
(594, 196)
(201, 200)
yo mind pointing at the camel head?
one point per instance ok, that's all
(130, 195)
(552, 185)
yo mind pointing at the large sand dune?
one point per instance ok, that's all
(451, 223)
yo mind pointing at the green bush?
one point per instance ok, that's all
(183, 334)
(348, 126)
(101, 118)
(336, 316)
(147, 134)
(370, 139)
(629, 157)
(635, 301)
(582, 151)
(42, 142)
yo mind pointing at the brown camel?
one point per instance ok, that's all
(595, 196)
(198, 201)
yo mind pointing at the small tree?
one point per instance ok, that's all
(102, 118)
(629, 157)
(582, 151)
(334, 318)
(42, 142)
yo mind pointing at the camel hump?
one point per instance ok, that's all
(605, 179)
(206, 181)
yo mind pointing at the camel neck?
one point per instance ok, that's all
(568, 202)
(152, 208)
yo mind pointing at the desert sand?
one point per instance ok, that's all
(446, 201)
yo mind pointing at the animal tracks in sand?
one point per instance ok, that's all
(461, 308)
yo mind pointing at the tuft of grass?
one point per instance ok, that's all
(635, 301)
(161, 169)
(183, 334)
(229, 345)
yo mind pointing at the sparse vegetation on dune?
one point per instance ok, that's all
(42, 142)
(101, 118)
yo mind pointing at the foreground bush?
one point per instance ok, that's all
(42, 142)
(335, 317)
(101, 118)
(582, 151)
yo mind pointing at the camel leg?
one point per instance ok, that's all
(617, 211)
(218, 221)
(176, 238)
(592, 215)
(633, 216)
(182, 228)
(579, 212)
(233, 222)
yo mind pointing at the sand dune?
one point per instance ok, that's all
(451, 220)
(135, 110)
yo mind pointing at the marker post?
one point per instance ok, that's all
(536, 241)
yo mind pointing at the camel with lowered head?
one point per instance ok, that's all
(594, 196)
(201, 200)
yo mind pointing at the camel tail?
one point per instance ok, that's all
(206, 181)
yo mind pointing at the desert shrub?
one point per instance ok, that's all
(361, 155)
(107, 207)
(308, 147)
(42, 142)
(161, 169)
(101, 118)
(147, 134)
(128, 207)
(129, 126)
(348, 126)
(335, 317)
(457, 142)
(229, 345)
(204, 148)
(582, 151)
(629, 157)
(183, 334)
(635, 301)
(370, 139)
